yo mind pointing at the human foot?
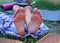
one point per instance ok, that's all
(35, 22)
(19, 21)
(16, 12)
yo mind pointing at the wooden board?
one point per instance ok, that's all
(3, 40)
(50, 38)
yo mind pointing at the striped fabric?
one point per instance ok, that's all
(21, 1)
(7, 27)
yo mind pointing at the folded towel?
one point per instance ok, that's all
(7, 27)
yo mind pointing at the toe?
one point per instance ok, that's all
(37, 19)
(40, 16)
(22, 10)
(35, 10)
(39, 13)
(20, 14)
(16, 12)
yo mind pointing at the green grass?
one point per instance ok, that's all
(28, 39)
(5, 1)
(46, 4)
(54, 26)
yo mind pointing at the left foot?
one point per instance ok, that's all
(16, 12)
(19, 20)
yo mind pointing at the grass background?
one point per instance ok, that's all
(47, 4)
(41, 4)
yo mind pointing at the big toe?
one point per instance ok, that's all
(16, 12)
(22, 10)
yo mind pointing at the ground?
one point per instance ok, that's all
(53, 25)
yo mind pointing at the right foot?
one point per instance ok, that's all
(19, 20)
(35, 22)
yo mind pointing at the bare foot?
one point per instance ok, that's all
(19, 21)
(35, 22)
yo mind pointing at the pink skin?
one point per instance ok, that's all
(15, 13)
(18, 11)
(19, 19)
(35, 22)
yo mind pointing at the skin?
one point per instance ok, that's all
(20, 17)
(15, 7)
(28, 14)
(28, 1)
(19, 20)
(35, 22)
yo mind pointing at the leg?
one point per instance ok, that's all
(28, 14)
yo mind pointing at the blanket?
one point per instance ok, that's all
(7, 27)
